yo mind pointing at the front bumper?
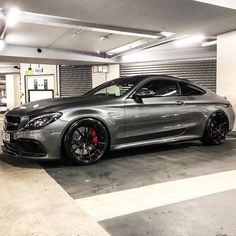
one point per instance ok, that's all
(25, 147)
(41, 144)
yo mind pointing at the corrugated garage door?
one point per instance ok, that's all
(75, 80)
(201, 71)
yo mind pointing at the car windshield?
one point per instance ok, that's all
(115, 88)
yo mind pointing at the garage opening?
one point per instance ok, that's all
(75, 80)
(201, 71)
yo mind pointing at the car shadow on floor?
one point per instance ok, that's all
(130, 153)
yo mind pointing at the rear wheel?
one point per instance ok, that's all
(216, 129)
(85, 141)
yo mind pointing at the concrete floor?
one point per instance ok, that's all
(139, 167)
(175, 189)
(116, 191)
(32, 203)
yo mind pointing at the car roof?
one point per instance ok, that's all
(163, 76)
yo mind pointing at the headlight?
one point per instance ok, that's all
(42, 120)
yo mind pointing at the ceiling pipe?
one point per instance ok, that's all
(43, 19)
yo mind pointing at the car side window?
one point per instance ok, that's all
(190, 90)
(162, 88)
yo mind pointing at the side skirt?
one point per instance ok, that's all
(156, 141)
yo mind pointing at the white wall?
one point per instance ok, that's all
(13, 90)
(226, 67)
(113, 73)
(47, 70)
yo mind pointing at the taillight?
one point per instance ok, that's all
(230, 104)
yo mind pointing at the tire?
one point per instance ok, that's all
(216, 129)
(85, 142)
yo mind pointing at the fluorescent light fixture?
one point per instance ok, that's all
(2, 44)
(211, 43)
(167, 34)
(221, 3)
(12, 16)
(120, 49)
(189, 40)
(127, 47)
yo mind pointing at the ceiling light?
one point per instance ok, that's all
(221, 3)
(2, 44)
(211, 43)
(128, 46)
(190, 40)
(12, 16)
(167, 34)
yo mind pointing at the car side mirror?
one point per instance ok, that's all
(143, 93)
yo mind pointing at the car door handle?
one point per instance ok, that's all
(179, 102)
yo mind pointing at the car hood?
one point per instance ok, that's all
(57, 104)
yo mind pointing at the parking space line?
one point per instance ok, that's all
(231, 138)
(124, 202)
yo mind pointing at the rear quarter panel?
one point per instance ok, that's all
(201, 107)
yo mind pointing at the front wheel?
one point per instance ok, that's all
(216, 129)
(85, 141)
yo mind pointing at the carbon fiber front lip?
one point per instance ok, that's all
(15, 155)
(8, 151)
(13, 150)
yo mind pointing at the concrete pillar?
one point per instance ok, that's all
(13, 90)
(226, 67)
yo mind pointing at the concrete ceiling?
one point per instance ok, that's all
(33, 35)
(180, 16)
(91, 41)
(44, 36)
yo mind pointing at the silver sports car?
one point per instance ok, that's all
(122, 113)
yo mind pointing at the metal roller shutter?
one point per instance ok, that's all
(75, 80)
(201, 71)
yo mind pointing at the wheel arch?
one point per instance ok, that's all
(222, 112)
(212, 137)
(81, 118)
(215, 112)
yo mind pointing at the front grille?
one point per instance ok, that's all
(12, 122)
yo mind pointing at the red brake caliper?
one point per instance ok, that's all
(93, 136)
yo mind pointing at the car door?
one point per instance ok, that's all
(159, 116)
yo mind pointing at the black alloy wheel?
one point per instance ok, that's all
(86, 141)
(216, 129)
